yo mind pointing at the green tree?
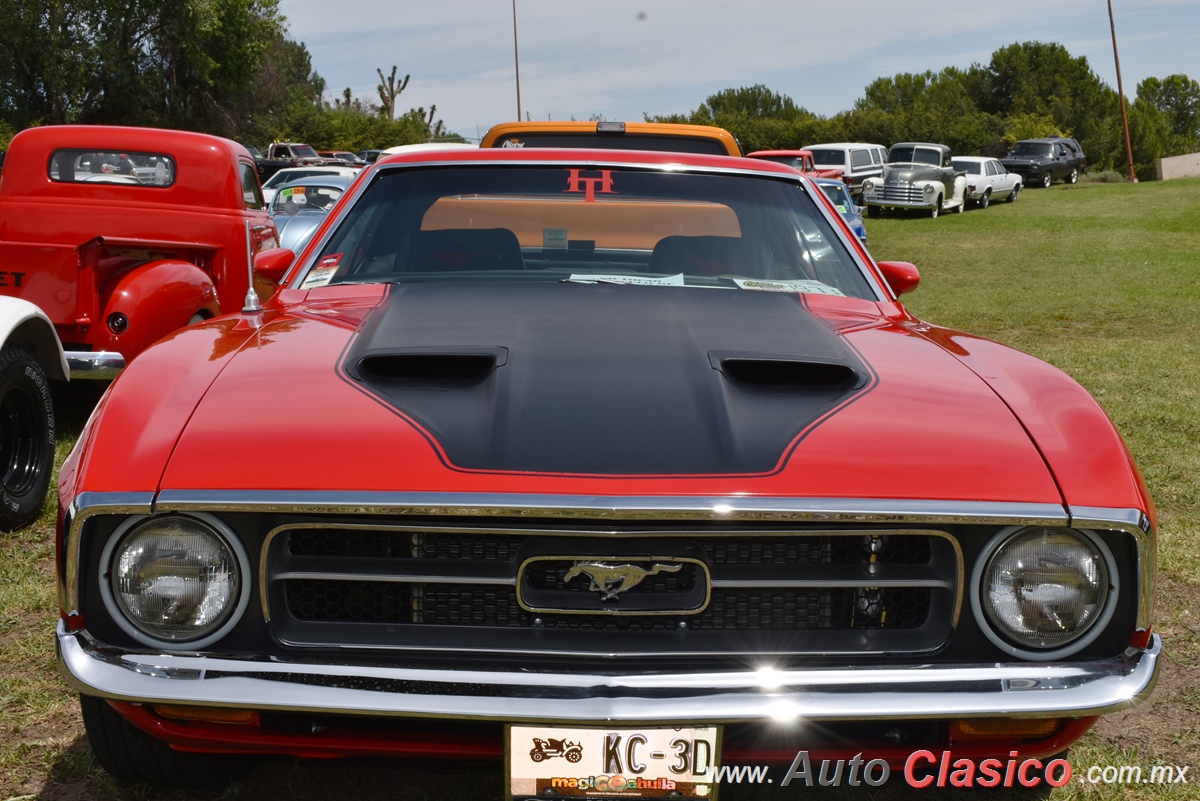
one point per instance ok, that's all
(1178, 98)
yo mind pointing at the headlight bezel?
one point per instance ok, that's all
(1089, 635)
(231, 617)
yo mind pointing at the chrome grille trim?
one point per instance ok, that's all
(942, 573)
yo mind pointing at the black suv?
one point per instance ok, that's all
(1040, 161)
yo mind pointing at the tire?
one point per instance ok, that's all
(133, 757)
(937, 208)
(874, 212)
(574, 756)
(26, 437)
(985, 200)
(1047, 179)
(1073, 176)
(1012, 196)
(536, 756)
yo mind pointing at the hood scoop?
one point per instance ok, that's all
(783, 372)
(604, 380)
(428, 366)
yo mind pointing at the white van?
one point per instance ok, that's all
(856, 160)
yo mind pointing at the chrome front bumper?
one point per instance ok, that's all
(97, 365)
(1065, 689)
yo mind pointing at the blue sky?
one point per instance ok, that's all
(620, 58)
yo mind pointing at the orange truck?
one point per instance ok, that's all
(676, 137)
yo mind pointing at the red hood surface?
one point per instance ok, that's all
(283, 415)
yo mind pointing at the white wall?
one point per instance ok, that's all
(1178, 167)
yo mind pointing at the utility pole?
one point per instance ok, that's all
(1120, 93)
(517, 60)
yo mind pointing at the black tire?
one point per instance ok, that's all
(133, 757)
(1012, 196)
(1073, 176)
(26, 437)
(874, 212)
(985, 200)
(1047, 179)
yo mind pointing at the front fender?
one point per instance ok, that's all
(157, 297)
(27, 325)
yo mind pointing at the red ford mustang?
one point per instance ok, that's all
(617, 466)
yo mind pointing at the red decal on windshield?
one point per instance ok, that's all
(605, 181)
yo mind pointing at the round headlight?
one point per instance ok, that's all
(175, 579)
(1044, 590)
(928, 189)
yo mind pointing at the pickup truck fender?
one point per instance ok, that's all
(156, 298)
(960, 188)
(25, 324)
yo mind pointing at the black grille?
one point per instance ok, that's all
(697, 592)
(376, 544)
(786, 609)
(816, 550)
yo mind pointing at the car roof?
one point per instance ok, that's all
(974, 158)
(830, 182)
(758, 154)
(331, 169)
(426, 146)
(335, 180)
(843, 144)
(554, 156)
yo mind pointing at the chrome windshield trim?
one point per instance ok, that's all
(753, 695)
(1136, 523)
(731, 508)
(87, 505)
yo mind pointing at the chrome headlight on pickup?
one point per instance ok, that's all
(174, 580)
(1044, 593)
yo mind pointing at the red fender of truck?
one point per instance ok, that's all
(156, 298)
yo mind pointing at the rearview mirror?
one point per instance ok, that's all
(902, 276)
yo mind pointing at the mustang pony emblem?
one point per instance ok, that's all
(612, 580)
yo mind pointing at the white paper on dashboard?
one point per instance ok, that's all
(805, 285)
(670, 280)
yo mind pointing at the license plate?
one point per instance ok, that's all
(626, 762)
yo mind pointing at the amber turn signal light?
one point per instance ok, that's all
(208, 714)
(993, 728)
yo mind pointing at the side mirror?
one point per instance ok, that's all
(902, 276)
(270, 265)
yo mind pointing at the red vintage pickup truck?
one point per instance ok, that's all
(123, 235)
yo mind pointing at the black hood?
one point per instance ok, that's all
(604, 379)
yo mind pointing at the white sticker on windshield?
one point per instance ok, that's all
(323, 273)
(808, 286)
(638, 280)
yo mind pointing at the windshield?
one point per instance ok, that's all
(295, 198)
(304, 151)
(969, 167)
(829, 158)
(839, 197)
(1035, 149)
(613, 226)
(907, 154)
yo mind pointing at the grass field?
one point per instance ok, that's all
(1102, 280)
